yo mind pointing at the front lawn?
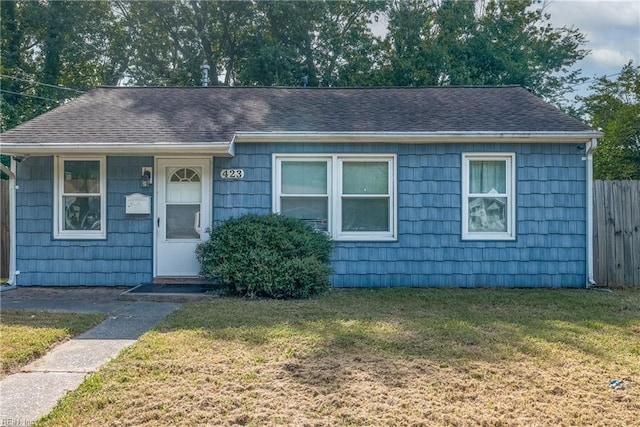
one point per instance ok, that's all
(392, 357)
(27, 335)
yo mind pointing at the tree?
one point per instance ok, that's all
(168, 41)
(494, 42)
(282, 48)
(614, 108)
(49, 45)
(249, 43)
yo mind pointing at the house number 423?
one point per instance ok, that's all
(232, 173)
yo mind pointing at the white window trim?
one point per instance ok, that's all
(58, 191)
(510, 159)
(334, 189)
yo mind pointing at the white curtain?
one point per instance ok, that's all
(487, 176)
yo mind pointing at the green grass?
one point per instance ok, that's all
(26, 335)
(377, 357)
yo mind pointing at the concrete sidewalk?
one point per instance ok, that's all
(31, 393)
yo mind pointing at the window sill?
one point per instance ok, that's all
(79, 237)
(367, 238)
(488, 237)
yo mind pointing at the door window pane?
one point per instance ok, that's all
(183, 221)
(183, 185)
(365, 178)
(185, 175)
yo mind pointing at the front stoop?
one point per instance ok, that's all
(180, 291)
(181, 281)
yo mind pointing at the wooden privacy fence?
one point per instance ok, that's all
(616, 237)
(4, 229)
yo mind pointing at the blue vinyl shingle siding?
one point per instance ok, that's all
(549, 249)
(124, 258)
(550, 245)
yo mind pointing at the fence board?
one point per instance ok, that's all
(617, 233)
(635, 231)
(599, 233)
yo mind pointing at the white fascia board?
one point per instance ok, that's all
(416, 137)
(222, 149)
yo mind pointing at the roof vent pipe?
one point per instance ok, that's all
(304, 81)
(205, 74)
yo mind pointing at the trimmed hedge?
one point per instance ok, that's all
(267, 256)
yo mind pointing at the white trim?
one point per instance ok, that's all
(589, 148)
(58, 217)
(334, 191)
(227, 148)
(277, 181)
(10, 171)
(222, 149)
(158, 207)
(391, 185)
(415, 137)
(510, 195)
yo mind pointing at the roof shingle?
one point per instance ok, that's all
(214, 114)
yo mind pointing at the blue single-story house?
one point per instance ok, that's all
(436, 186)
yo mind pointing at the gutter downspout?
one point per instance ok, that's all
(589, 148)
(11, 283)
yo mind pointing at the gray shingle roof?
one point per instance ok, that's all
(133, 115)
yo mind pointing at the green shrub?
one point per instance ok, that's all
(267, 256)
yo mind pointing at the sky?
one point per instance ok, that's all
(612, 29)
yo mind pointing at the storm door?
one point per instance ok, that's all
(183, 213)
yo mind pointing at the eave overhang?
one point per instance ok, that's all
(226, 149)
(416, 137)
(219, 149)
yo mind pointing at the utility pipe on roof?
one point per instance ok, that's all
(589, 148)
(205, 74)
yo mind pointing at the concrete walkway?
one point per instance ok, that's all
(33, 391)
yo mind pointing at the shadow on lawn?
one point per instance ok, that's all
(72, 323)
(447, 326)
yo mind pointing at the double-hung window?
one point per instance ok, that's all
(304, 190)
(80, 198)
(352, 197)
(488, 199)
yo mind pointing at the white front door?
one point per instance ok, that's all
(183, 213)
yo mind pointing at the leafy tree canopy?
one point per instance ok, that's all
(48, 45)
(614, 108)
(79, 45)
(494, 42)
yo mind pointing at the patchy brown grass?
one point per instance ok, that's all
(26, 335)
(395, 357)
